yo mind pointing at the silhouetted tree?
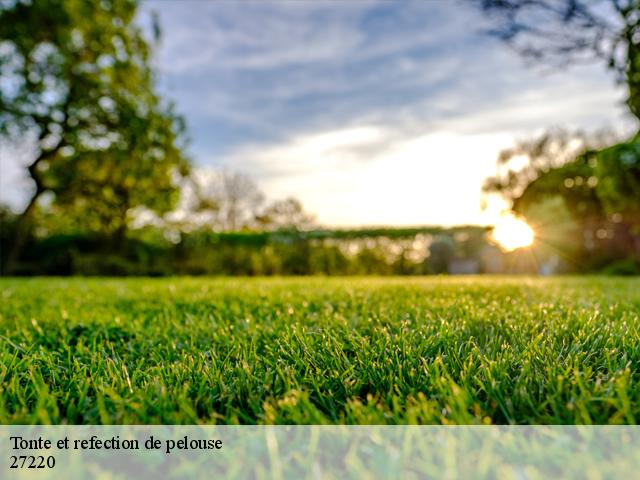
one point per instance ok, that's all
(520, 165)
(569, 31)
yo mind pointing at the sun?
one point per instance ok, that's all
(511, 233)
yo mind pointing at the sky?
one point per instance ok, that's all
(369, 112)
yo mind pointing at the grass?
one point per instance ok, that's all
(320, 350)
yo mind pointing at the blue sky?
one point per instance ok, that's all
(370, 112)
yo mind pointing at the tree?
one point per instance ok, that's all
(593, 179)
(618, 171)
(241, 200)
(220, 200)
(77, 79)
(441, 252)
(227, 201)
(599, 188)
(521, 165)
(569, 31)
(597, 185)
(285, 214)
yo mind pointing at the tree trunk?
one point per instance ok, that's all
(24, 224)
(118, 239)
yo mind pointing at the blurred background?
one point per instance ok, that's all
(321, 137)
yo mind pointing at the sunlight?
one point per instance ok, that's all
(512, 233)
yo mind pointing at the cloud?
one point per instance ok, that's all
(279, 69)
(371, 175)
(313, 97)
(313, 152)
(266, 35)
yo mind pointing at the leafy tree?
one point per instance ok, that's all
(523, 163)
(77, 80)
(574, 182)
(618, 171)
(598, 187)
(570, 31)
(558, 233)
(595, 182)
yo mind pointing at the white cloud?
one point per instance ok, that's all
(255, 35)
(284, 67)
(367, 116)
(373, 176)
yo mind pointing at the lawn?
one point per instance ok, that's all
(320, 350)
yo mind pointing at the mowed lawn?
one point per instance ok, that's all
(460, 350)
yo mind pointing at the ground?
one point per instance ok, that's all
(320, 350)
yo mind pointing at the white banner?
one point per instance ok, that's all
(320, 452)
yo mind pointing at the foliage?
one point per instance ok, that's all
(618, 171)
(574, 182)
(595, 196)
(281, 252)
(527, 160)
(595, 185)
(356, 351)
(442, 251)
(628, 266)
(223, 200)
(227, 201)
(569, 31)
(287, 214)
(80, 88)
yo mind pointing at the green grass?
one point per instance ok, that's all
(320, 350)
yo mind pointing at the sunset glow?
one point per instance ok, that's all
(512, 233)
